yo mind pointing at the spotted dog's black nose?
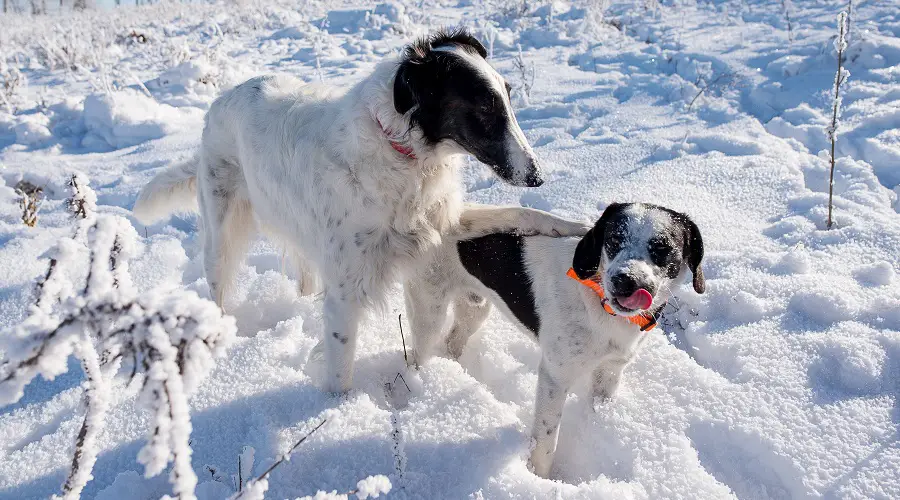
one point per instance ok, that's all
(623, 285)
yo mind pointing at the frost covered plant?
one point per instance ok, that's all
(30, 198)
(83, 200)
(526, 81)
(489, 30)
(171, 339)
(12, 79)
(840, 43)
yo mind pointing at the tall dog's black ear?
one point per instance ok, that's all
(586, 262)
(404, 92)
(693, 249)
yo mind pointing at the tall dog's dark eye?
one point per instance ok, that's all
(659, 251)
(489, 105)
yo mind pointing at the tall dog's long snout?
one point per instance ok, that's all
(523, 166)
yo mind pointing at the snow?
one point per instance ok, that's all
(780, 382)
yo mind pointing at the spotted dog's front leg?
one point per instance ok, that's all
(607, 378)
(548, 406)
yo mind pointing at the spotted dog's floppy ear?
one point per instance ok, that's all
(586, 262)
(693, 249)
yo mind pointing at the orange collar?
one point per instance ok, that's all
(646, 321)
(400, 148)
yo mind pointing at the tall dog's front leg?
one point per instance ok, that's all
(479, 220)
(341, 318)
(548, 406)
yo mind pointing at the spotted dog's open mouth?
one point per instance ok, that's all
(640, 300)
(622, 308)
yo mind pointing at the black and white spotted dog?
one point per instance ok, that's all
(356, 184)
(547, 286)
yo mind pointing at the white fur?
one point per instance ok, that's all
(310, 166)
(577, 336)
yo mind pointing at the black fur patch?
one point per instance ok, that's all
(497, 260)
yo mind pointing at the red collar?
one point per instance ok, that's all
(646, 321)
(400, 148)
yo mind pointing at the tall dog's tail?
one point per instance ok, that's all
(173, 190)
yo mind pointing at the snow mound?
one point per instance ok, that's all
(128, 117)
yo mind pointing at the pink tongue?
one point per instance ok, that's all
(640, 299)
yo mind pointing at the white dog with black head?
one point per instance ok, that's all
(589, 302)
(357, 184)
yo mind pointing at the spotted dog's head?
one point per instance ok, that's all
(455, 97)
(638, 249)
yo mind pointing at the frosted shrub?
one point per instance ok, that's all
(11, 79)
(30, 198)
(170, 338)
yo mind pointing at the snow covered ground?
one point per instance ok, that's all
(782, 381)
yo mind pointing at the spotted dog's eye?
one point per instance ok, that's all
(659, 251)
(613, 244)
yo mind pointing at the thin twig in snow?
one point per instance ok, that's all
(287, 455)
(839, 78)
(785, 7)
(722, 76)
(403, 339)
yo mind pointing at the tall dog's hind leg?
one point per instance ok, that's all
(341, 318)
(426, 307)
(227, 226)
(307, 284)
(469, 312)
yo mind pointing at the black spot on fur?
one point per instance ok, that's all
(497, 260)
(341, 338)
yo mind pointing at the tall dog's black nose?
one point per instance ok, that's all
(534, 179)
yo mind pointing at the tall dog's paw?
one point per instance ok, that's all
(575, 229)
(543, 223)
(559, 227)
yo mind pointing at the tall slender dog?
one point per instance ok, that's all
(357, 184)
